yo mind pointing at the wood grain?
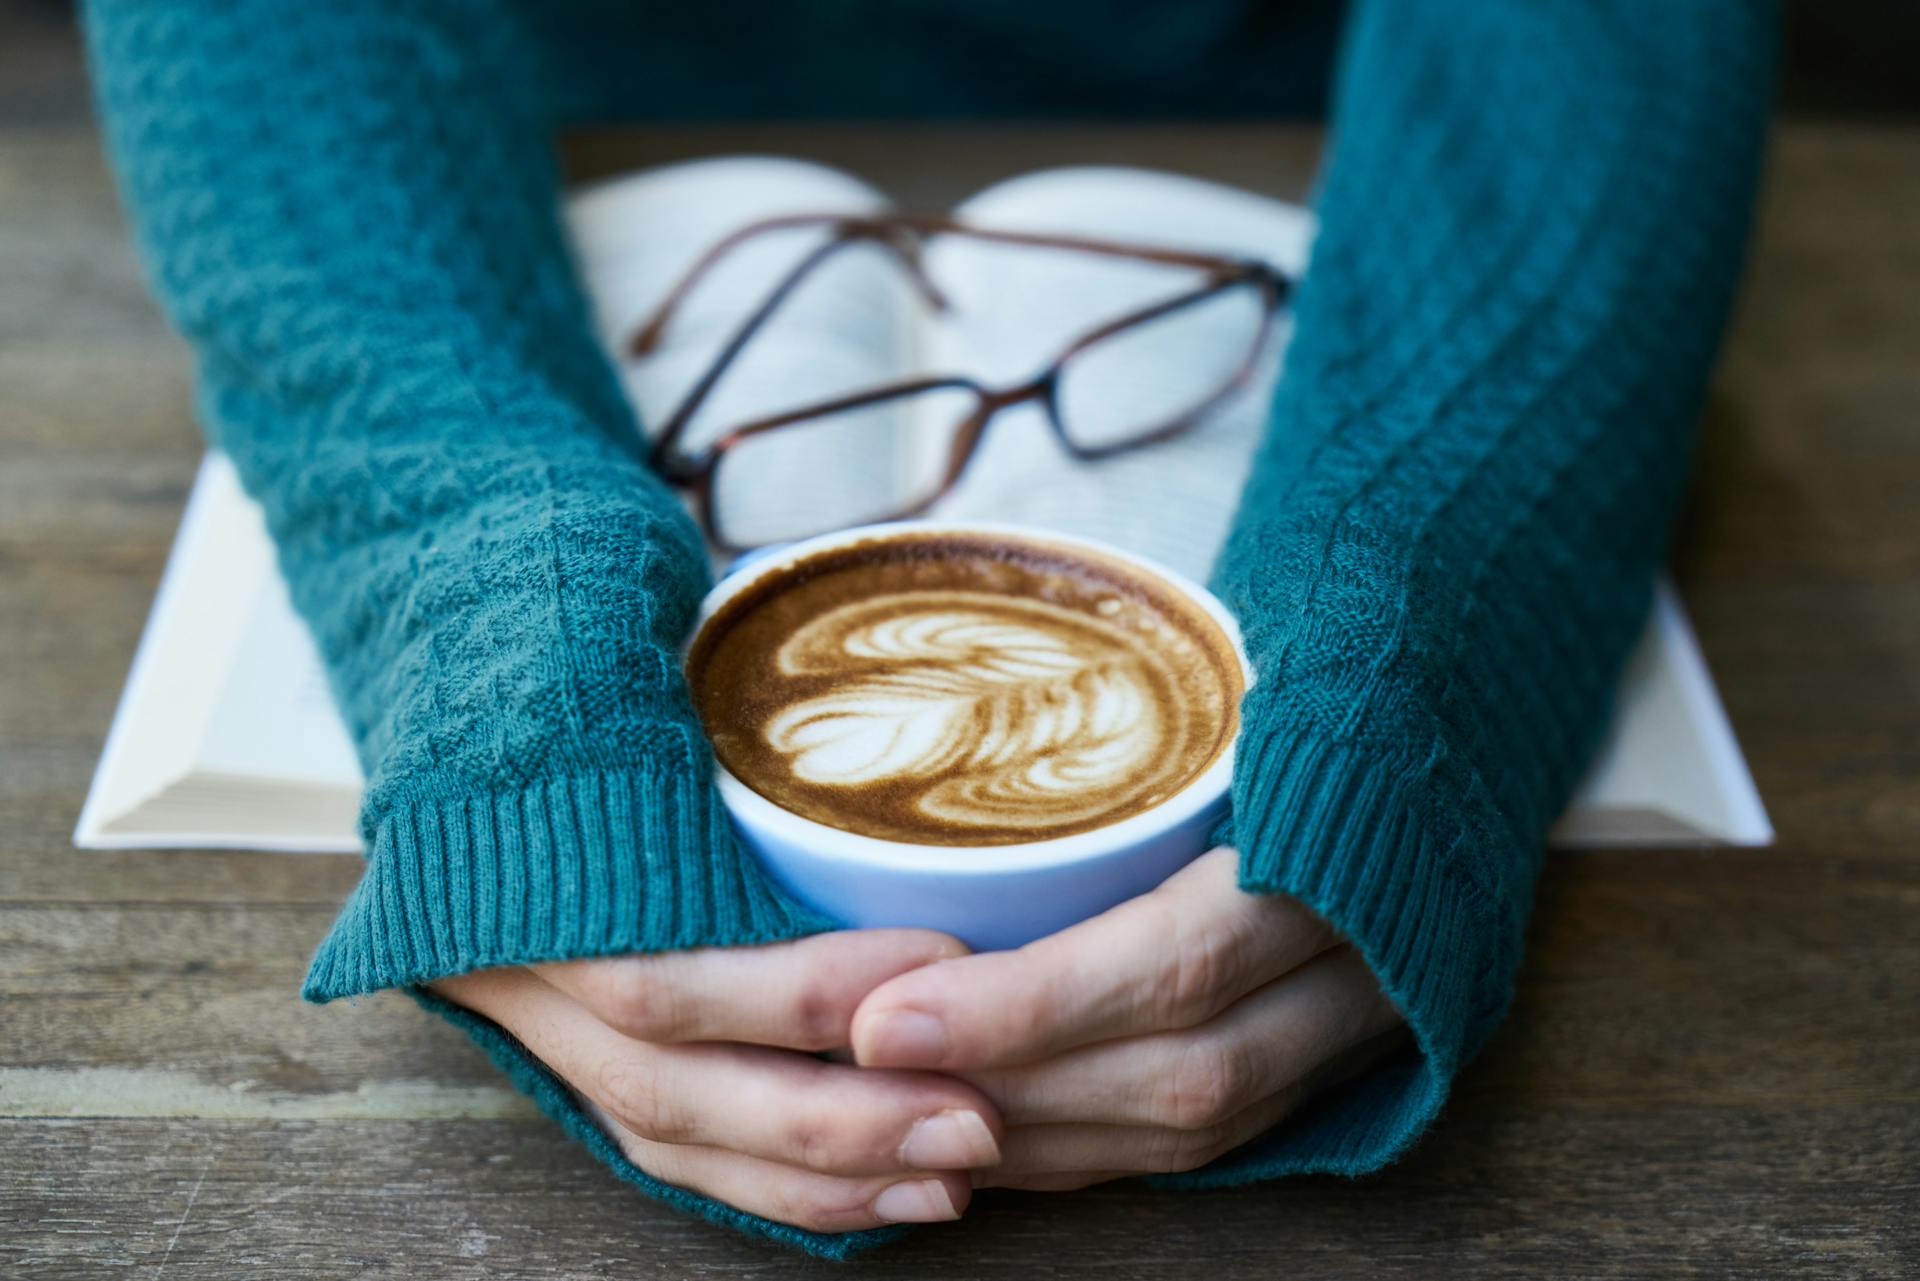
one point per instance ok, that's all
(1713, 1065)
(1629, 1193)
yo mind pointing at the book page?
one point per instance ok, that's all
(1015, 308)
(275, 718)
(848, 327)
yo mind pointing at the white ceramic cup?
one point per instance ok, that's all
(989, 896)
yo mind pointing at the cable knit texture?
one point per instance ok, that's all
(1532, 221)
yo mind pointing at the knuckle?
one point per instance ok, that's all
(646, 1007)
(635, 1099)
(599, 986)
(652, 1008)
(1205, 963)
(1203, 1088)
(624, 1091)
(820, 1204)
(821, 1020)
(845, 1140)
(812, 1145)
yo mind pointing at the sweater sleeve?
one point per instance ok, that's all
(1532, 222)
(350, 210)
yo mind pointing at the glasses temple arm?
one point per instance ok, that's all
(925, 224)
(647, 337)
(697, 394)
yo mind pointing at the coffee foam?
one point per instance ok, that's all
(965, 690)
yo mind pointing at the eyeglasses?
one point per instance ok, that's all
(892, 451)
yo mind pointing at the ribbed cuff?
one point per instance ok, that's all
(590, 865)
(1357, 833)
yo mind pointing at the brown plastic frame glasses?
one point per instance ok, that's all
(904, 236)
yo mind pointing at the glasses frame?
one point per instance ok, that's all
(904, 236)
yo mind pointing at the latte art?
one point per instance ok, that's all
(961, 693)
(1016, 713)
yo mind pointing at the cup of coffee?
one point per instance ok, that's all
(983, 729)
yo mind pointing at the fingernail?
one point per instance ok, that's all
(922, 1202)
(907, 1038)
(956, 1140)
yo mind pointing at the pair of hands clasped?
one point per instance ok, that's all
(1152, 1038)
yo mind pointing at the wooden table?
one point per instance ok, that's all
(1713, 1067)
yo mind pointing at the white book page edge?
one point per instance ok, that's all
(219, 511)
(224, 839)
(1658, 783)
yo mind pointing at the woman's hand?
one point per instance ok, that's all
(697, 1063)
(1152, 1038)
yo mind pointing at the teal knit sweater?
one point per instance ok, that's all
(1532, 220)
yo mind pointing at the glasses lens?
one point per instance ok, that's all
(848, 468)
(1150, 376)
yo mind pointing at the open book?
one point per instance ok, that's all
(226, 735)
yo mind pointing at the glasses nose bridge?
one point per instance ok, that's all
(1040, 387)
